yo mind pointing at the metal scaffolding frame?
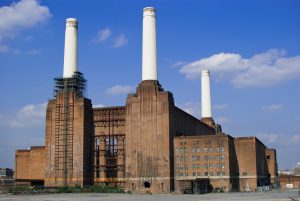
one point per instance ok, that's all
(69, 88)
(110, 147)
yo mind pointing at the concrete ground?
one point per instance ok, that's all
(265, 196)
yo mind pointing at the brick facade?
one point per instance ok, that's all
(148, 145)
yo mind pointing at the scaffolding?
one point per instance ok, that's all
(65, 91)
(76, 84)
(109, 152)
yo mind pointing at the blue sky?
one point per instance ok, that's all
(251, 48)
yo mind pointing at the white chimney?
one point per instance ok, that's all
(205, 94)
(149, 45)
(70, 57)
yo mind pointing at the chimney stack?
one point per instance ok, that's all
(205, 94)
(149, 45)
(70, 56)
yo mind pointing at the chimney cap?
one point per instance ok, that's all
(149, 11)
(205, 72)
(71, 19)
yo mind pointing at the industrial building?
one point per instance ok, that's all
(146, 145)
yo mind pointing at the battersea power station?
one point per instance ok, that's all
(147, 145)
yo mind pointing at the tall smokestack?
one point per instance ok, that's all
(149, 45)
(205, 94)
(70, 57)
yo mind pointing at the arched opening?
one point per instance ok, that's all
(147, 184)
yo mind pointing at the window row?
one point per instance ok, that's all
(197, 149)
(199, 166)
(198, 158)
(199, 174)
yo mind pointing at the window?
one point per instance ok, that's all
(186, 159)
(186, 174)
(198, 158)
(181, 150)
(211, 174)
(181, 174)
(177, 150)
(206, 173)
(181, 167)
(210, 149)
(223, 157)
(217, 158)
(198, 149)
(205, 157)
(223, 165)
(186, 167)
(198, 174)
(268, 157)
(181, 158)
(194, 174)
(217, 165)
(205, 166)
(218, 173)
(211, 157)
(222, 149)
(177, 175)
(223, 173)
(217, 149)
(194, 166)
(244, 173)
(193, 158)
(193, 149)
(205, 149)
(177, 167)
(210, 165)
(186, 150)
(198, 166)
(177, 159)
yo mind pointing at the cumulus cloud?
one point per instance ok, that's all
(28, 116)
(98, 105)
(120, 41)
(271, 108)
(279, 139)
(193, 108)
(222, 120)
(119, 89)
(102, 35)
(178, 64)
(21, 15)
(265, 69)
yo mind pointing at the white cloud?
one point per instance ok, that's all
(21, 15)
(120, 41)
(28, 116)
(178, 64)
(193, 108)
(222, 120)
(271, 108)
(98, 105)
(220, 107)
(102, 35)
(264, 69)
(119, 89)
(279, 139)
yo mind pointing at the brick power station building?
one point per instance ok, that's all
(148, 145)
